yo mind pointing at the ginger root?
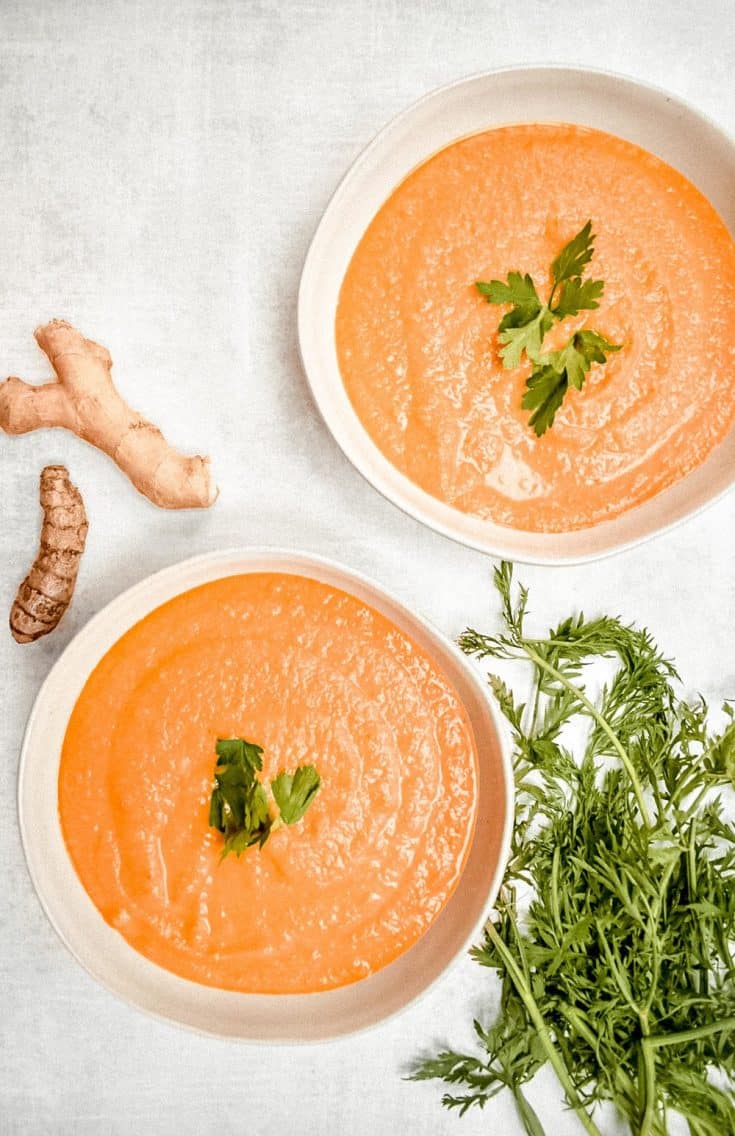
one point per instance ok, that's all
(46, 592)
(84, 399)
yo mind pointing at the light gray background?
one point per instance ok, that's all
(162, 168)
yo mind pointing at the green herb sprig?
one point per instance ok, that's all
(523, 328)
(614, 932)
(556, 371)
(239, 807)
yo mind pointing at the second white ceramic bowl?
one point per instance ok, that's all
(254, 1017)
(649, 117)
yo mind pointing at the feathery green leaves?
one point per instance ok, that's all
(614, 932)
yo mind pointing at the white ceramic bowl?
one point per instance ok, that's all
(662, 124)
(253, 1017)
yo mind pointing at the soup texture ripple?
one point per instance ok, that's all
(418, 346)
(313, 675)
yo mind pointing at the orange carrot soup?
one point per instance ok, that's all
(313, 675)
(419, 347)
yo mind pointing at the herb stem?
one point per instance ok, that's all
(649, 1089)
(625, 1084)
(536, 705)
(531, 1122)
(542, 1029)
(602, 722)
(658, 1041)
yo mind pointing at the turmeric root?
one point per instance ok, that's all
(84, 399)
(46, 592)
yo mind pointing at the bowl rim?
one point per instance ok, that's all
(494, 545)
(302, 562)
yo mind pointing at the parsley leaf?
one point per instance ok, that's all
(575, 256)
(578, 295)
(566, 271)
(523, 328)
(520, 291)
(294, 792)
(527, 337)
(556, 371)
(255, 825)
(587, 347)
(546, 388)
(236, 751)
(239, 807)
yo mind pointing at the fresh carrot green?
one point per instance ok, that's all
(614, 932)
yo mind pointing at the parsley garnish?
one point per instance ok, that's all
(555, 371)
(614, 931)
(294, 792)
(239, 807)
(522, 329)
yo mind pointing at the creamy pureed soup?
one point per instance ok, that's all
(418, 346)
(313, 675)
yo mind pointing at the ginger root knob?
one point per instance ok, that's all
(46, 592)
(84, 399)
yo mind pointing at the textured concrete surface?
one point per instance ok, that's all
(162, 168)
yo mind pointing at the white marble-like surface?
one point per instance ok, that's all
(162, 167)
